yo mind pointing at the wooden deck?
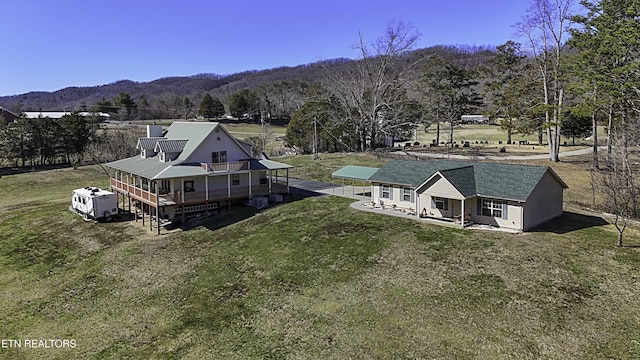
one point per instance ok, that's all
(196, 197)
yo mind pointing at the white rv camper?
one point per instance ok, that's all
(94, 203)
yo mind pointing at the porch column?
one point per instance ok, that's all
(206, 195)
(158, 207)
(287, 180)
(182, 215)
(206, 188)
(182, 191)
(228, 185)
(250, 184)
(270, 179)
(462, 214)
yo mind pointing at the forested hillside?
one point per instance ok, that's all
(163, 98)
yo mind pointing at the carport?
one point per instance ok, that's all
(357, 175)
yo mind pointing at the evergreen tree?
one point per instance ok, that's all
(210, 107)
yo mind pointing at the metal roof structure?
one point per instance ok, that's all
(147, 143)
(353, 172)
(170, 146)
(174, 142)
(59, 114)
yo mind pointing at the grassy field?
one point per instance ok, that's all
(310, 278)
(489, 133)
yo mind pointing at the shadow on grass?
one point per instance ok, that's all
(238, 213)
(570, 221)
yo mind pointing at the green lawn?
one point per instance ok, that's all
(311, 278)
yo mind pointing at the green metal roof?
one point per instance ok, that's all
(502, 181)
(353, 172)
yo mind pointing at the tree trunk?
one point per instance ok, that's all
(594, 130)
(619, 238)
(594, 137)
(609, 126)
(540, 137)
(556, 120)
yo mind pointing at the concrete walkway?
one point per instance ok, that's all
(317, 188)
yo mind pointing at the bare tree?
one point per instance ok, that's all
(373, 90)
(545, 26)
(618, 184)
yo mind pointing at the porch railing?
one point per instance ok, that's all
(236, 192)
(225, 167)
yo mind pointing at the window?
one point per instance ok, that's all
(219, 157)
(492, 208)
(164, 186)
(385, 192)
(406, 194)
(235, 179)
(440, 203)
(188, 186)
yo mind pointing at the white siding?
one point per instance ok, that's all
(513, 220)
(202, 154)
(544, 203)
(397, 197)
(440, 187)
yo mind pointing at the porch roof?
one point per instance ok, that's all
(153, 169)
(264, 164)
(353, 172)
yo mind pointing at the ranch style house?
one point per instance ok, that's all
(518, 197)
(193, 167)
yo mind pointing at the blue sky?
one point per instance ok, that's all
(49, 45)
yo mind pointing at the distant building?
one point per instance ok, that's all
(474, 119)
(7, 115)
(59, 114)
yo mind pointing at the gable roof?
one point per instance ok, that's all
(170, 146)
(174, 142)
(7, 115)
(196, 132)
(502, 181)
(147, 143)
(463, 179)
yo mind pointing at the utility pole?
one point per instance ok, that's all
(262, 130)
(315, 138)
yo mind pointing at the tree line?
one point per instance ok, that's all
(72, 139)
